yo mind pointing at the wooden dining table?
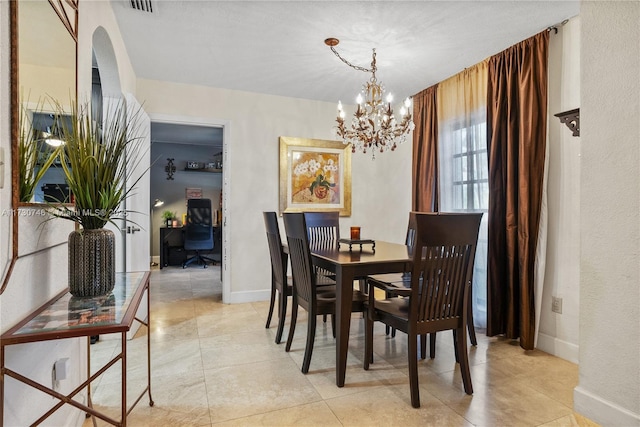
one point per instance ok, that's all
(349, 265)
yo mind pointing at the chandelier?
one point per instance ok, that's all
(373, 125)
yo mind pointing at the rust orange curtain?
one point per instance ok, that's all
(516, 127)
(425, 151)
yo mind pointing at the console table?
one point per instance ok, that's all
(66, 316)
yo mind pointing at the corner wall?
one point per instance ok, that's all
(559, 333)
(609, 382)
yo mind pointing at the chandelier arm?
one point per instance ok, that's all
(355, 67)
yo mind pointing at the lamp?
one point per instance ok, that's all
(373, 124)
(51, 138)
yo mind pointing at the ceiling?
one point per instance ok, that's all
(277, 47)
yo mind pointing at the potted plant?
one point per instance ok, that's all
(95, 158)
(35, 156)
(168, 217)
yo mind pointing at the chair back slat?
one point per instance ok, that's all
(301, 263)
(323, 226)
(444, 251)
(276, 252)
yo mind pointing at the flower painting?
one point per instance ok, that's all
(315, 175)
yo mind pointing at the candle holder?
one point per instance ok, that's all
(355, 233)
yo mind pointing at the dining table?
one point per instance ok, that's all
(350, 263)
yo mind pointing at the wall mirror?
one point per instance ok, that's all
(43, 52)
(45, 64)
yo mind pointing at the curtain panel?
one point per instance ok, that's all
(463, 164)
(516, 128)
(424, 197)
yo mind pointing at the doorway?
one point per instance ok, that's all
(187, 161)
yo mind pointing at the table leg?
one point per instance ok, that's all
(344, 295)
(123, 364)
(1, 385)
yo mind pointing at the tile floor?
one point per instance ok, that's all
(216, 364)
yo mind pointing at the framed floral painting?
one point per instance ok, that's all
(315, 175)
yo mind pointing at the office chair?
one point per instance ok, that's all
(198, 234)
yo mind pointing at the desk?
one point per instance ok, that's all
(66, 316)
(173, 237)
(347, 265)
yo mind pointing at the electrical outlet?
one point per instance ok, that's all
(556, 305)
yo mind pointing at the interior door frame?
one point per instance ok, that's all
(226, 184)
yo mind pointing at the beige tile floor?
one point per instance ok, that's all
(216, 364)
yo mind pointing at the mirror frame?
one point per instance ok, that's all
(70, 22)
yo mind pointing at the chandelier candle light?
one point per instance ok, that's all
(373, 124)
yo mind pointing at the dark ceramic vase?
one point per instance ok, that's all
(92, 270)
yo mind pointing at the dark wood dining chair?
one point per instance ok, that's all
(281, 285)
(438, 298)
(323, 226)
(404, 280)
(306, 292)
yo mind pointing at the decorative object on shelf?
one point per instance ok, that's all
(94, 160)
(170, 169)
(374, 125)
(315, 175)
(168, 217)
(571, 118)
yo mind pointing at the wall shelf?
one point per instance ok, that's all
(206, 170)
(571, 119)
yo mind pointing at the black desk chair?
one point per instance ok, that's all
(198, 234)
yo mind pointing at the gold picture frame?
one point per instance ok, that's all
(315, 176)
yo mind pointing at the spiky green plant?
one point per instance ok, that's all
(35, 156)
(95, 160)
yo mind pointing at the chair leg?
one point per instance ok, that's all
(368, 342)
(282, 314)
(333, 325)
(432, 345)
(311, 336)
(455, 345)
(423, 346)
(271, 304)
(292, 326)
(461, 346)
(470, 326)
(413, 370)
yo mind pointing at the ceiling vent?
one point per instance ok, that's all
(143, 5)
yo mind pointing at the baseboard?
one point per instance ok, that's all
(602, 411)
(248, 296)
(557, 347)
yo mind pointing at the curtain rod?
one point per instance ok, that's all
(554, 28)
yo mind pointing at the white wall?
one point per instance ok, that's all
(381, 188)
(35, 279)
(559, 333)
(609, 384)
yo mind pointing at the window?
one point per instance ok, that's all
(464, 187)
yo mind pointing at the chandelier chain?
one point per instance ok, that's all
(357, 67)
